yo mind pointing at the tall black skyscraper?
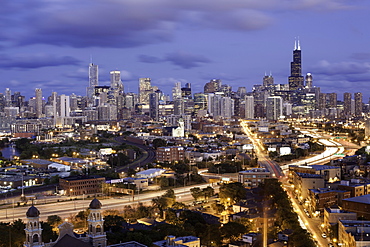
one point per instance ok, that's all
(296, 80)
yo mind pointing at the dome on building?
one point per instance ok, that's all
(95, 204)
(33, 212)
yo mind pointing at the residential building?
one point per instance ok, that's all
(249, 107)
(353, 233)
(358, 104)
(170, 154)
(359, 205)
(332, 215)
(252, 177)
(38, 102)
(274, 108)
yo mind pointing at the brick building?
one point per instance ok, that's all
(322, 198)
(170, 154)
(82, 185)
(359, 205)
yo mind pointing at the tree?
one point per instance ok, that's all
(232, 192)
(179, 205)
(48, 233)
(54, 220)
(196, 192)
(219, 208)
(159, 142)
(208, 192)
(113, 222)
(165, 201)
(232, 230)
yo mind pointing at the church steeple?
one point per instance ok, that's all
(95, 223)
(33, 228)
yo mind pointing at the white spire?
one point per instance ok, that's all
(295, 43)
(299, 46)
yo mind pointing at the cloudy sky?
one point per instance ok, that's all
(49, 43)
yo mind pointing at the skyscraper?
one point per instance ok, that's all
(212, 86)
(38, 103)
(332, 100)
(308, 80)
(296, 79)
(358, 104)
(93, 80)
(115, 81)
(154, 106)
(274, 108)
(249, 107)
(321, 104)
(145, 88)
(268, 80)
(8, 97)
(176, 91)
(64, 106)
(186, 91)
(347, 98)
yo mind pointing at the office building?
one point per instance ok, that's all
(176, 91)
(93, 80)
(268, 80)
(212, 86)
(186, 91)
(145, 88)
(115, 81)
(308, 80)
(296, 79)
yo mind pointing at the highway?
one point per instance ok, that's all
(148, 156)
(67, 209)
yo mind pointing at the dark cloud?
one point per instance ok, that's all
(34, 61)
(186, 60)
(344, 68)
(149, 59)
(110, 23)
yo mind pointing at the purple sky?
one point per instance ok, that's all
(48, 43)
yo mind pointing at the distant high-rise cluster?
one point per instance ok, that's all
(106, 103)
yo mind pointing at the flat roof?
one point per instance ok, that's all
(82, 177)
(360, 199)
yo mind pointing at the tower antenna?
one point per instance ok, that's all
(295, 43)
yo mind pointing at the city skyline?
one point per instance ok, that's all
(237, 42)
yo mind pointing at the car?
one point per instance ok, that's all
(323, 235)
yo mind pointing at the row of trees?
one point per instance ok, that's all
(286, 218)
